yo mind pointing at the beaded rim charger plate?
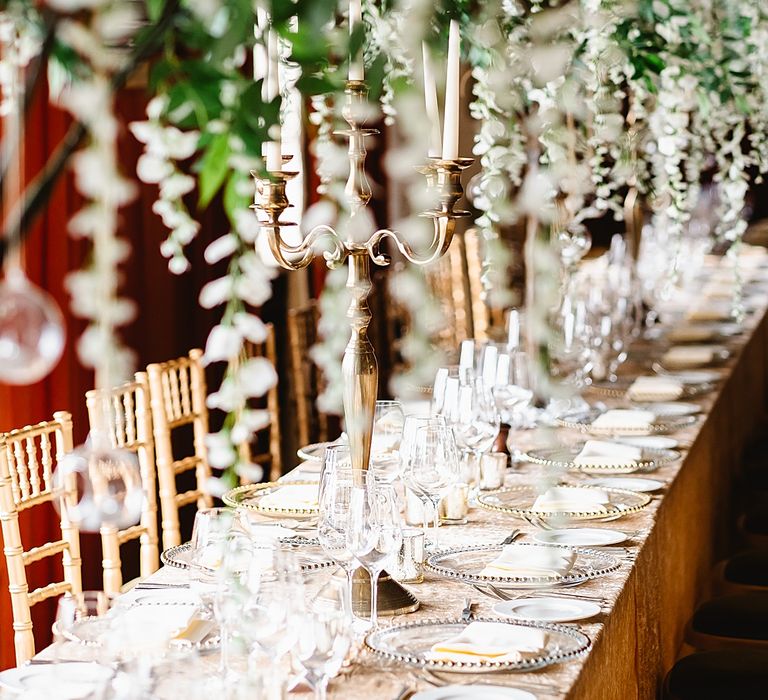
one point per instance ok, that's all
(250, 497)
(563, 456)
(466, 563)
(619, 388)
(583, 421)
(518, 500)
(411, 643)
(311, 556)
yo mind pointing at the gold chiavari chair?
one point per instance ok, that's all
(306, 376)
(28, 458)
(176, 399)
(123, 414)
(272, 456)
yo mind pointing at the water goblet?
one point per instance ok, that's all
(433, 466)
(376, 532)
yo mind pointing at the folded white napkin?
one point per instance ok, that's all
(600, 453)
(491, 641)
(303, 496)
(571, 499)
(655, 388)
(710, 312)
(144, 628)
(624, 419)
(691, 334)
(525, 561)
(688, 356)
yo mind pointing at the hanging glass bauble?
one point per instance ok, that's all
(108, 485)
(31, 331)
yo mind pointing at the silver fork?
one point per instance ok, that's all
(503, 595)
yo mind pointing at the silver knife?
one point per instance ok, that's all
(466, 613)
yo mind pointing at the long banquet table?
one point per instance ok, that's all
(651, 596)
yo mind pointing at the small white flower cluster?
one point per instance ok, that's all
(19, 44)
(95, 289)
(164, 146)
(500, 142)
(677, 159)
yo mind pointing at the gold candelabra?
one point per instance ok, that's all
(359, 366)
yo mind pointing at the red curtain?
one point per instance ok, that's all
(168, 324)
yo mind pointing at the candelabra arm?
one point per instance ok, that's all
(299, 256)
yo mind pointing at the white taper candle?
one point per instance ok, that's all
(451, 111)
(430, 101)
(356, 70)
(271, 91)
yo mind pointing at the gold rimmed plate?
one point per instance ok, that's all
(563, 456)
(619, 389)
(518, 500)
(265, 499)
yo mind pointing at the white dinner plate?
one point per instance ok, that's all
(695, 376)
(581, 536)
(72, 680)
(651, 442)
(673, 408)
(544, 609)
(630, 483)
(474, 692)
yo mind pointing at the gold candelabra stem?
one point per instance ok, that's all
(360, 372)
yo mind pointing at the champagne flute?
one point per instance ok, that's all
(375, 532)
(433, 466)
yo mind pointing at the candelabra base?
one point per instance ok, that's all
(393, 598)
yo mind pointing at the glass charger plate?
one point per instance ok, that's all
(518, 500)
(466, 563)
(619, 388)
(719, 355)
(251, 495)
(562, 458)
(411, 642)
(315, 451)
(582, 420)
(94, 631)
(310, 554)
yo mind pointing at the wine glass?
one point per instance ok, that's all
(410, 428)
(475, 422)
(273, 610)
(75, 609)
(388, 422)
(323, 644)
(375, 532)
(512, 392)
(338, 488)
(209, 542)
(433, 466)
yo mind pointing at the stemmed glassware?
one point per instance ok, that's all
(375, 532)
(339, 487)
(413, 423)
(324, 642)
(433, 466)
(471, 411)
(388, 422)
(512, 391)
